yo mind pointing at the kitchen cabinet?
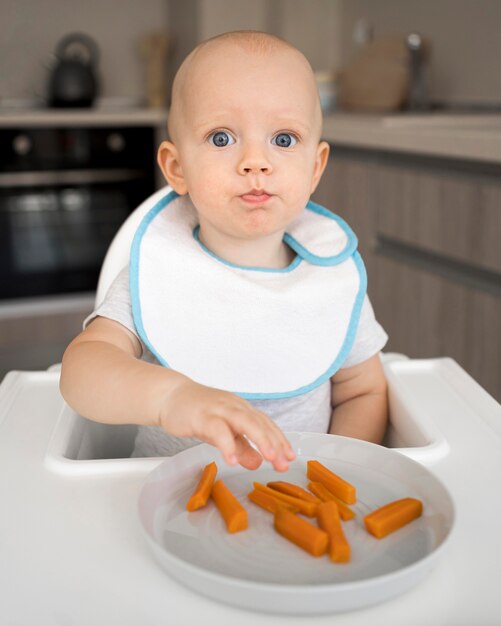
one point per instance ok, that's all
(429, 233)
(34, 334)
(70, 179)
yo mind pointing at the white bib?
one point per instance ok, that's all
(260, 333)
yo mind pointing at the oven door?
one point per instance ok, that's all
(53, 238)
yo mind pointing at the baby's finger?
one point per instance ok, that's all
(247, 456)
(260, 430)
(219, 434)
(281, 444)
(284, 443)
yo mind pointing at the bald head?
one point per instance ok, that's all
(256, 48)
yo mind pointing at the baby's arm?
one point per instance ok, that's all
(360, 401)
(103, 379)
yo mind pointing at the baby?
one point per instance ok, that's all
(243, 312)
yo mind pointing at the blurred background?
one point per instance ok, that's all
(411, 93)
(464, 35)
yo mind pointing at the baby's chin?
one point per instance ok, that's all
(261, 222)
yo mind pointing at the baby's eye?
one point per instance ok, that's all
(284, 140)
(220, 139)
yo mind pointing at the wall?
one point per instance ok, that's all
(29, 31)
(313, 26)
(465, 38)
(464, 35)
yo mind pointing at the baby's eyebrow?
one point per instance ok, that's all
(278, 123)
(293, 123)
(215, 120)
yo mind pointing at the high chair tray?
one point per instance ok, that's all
(72, 542)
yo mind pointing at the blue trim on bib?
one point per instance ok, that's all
(249, 268)
(134, 270)
(350, 250)
(315, 259)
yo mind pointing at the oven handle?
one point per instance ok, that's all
(68, 177)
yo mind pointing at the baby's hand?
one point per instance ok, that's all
(222, 419)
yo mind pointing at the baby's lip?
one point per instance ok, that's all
(256, 196)
(257, 192)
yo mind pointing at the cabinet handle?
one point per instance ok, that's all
(451, 269)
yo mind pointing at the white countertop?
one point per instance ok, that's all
(474, 137)
(104, 116)
(73, 552)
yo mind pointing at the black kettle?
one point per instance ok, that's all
(73, 81)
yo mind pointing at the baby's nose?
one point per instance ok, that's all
(254, 160)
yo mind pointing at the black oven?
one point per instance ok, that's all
(64, 193)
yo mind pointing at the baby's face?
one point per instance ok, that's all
(247, 137)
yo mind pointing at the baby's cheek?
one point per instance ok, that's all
(205, 191)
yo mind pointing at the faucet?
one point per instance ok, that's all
(418, 98)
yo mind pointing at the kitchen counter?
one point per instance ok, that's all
(475, 137)
(105, 116)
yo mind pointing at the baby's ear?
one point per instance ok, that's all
(168, 160)
(321, 158)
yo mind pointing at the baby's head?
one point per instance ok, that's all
(245, 125)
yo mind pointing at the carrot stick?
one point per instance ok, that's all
(202, 491)
(307, 508)
(339, 487)
(230, 508)
(325, 495)
(393, 516)
(293, 490)
(329, 520)
(265, 501)
(301, 532)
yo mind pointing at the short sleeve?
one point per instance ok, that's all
(116, 304)
(370, 338)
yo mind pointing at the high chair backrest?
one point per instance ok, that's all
(118, 253)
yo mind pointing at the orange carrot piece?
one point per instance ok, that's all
(393, 516)
(307, 508)
(339, 487)
(330, 521)
(269, 503)
(230, 508)
(202, 491)
(301, 532)
(325, 496)
(293, 490)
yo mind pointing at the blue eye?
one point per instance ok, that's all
(220, 139)
(284, 140)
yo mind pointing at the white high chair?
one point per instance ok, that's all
(117, 258)
(70, 496)
(117, 255)
(108, 441)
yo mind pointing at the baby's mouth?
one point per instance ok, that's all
(256, 196)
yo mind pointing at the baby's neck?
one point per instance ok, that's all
(267, 252)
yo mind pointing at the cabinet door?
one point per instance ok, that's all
(452, 213)
(35, 340)
(427, 315)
